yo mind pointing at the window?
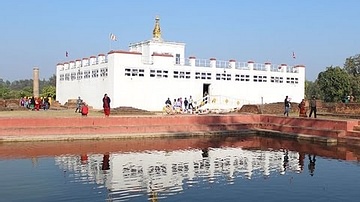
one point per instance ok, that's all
(177, 59)
(94, 73)
(181, 75)
(62, 77)
(203, 75)
(79, 75)
(245, 77)
(127, 72)
(275, 79)
(165, 73)
(141, 72)
(260, 78)
(292, 80)
(159, 73)
(104, 72)
(152, 73)
(197, 75)
(87, 74)
(176, 74)
(134, 72)
(223, 76)
(73, 76)
(208, 76)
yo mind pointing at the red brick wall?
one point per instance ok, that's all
(278, 108)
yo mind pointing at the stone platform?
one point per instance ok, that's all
(76, 128)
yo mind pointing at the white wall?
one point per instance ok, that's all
(150, 93)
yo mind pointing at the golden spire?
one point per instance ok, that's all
(157, 30)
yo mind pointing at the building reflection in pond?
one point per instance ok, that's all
(166, 166)
(166, 172)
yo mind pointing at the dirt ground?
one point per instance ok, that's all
(48, 113)
(99, 113)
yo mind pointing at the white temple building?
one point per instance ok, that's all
(152, 71)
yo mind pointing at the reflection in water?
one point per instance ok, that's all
(286, 160)
(84, 158)
(301, 160)
(106, 162)
(161, 173)
(177, 169)
(205, 153)
(311, 165)
(34, 161)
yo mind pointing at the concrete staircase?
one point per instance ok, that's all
(354, 134)
(122, 125)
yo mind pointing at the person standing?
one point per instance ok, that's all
(313, 106)
(186, 102)
(302, 108)
(106, 105)
(78, 105)
(190, 106)
(287, 106)
(32, 103)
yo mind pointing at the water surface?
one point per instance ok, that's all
(245, 168)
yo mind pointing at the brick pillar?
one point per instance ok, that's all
(36, 82)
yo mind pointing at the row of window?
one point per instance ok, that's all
(94, 73)
(207, 76)
(176, 74)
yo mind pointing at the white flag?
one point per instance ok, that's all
(113, 37)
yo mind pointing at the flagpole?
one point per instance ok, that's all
(112, 37)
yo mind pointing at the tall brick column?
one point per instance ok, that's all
(36, 82)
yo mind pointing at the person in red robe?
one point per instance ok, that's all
(38, 103)
(302, 109)
(106, 105)
(84, 109)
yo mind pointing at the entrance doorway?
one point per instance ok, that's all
(206, 88)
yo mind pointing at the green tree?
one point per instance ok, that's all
(48, 91)
(26, 91)
(4, 91)
(52, 80)
(334, 84)
(355, 87)
(24, 88)
(352, 65)
(20, 84)
(312, 89)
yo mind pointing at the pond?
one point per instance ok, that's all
(242, 168)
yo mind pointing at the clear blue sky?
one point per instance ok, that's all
(39, 32)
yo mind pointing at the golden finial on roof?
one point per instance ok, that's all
(157, 30)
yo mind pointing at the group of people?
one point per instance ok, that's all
(179, 105)
(302, 107)
(83, 108)
(35, 103)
